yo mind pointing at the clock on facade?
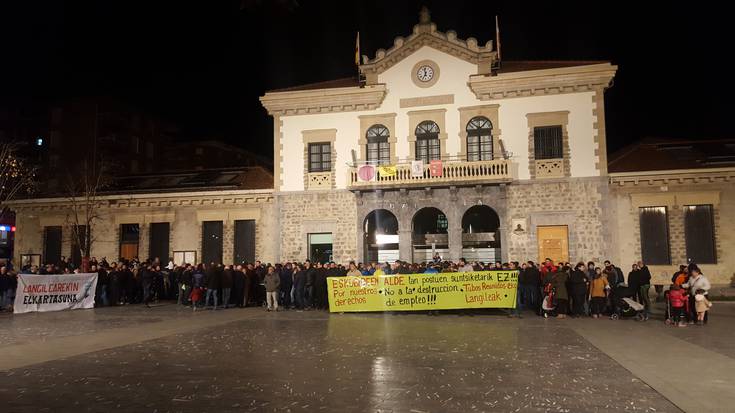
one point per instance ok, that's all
(425, 73)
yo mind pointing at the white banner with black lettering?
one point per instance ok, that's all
(54, 292)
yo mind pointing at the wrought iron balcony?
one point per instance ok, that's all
(452, 173)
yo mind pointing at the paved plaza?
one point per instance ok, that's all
(168, 358)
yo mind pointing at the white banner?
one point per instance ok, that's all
(417, 169)
(54, 292)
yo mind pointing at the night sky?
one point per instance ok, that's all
(203, 64)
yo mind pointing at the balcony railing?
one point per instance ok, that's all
(453, 173)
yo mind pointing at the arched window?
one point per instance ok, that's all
(479, 139)
(378, 147)
(427, 141)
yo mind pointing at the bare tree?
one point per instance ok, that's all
(83, 188)
(16, 177)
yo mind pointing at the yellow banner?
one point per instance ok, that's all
(387, 170)
(413, 292)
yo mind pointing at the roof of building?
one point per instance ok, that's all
(660, 154)
(243, 178)
(328, 84)
(527, 65)
(506, 67)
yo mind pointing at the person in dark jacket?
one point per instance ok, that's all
(103, 280)
(644, 285)
(299, 285)
(285, 273)
(185, 284)
(320, 287)
(238, 286)
(259, 287)
(310, 279)
(578, 289)
(559, 282)
(528, 285)
(147, 275)
(250, 282)
(213, 278)
(615, 274)
(634, 280)
(227, 281)
(4, 288)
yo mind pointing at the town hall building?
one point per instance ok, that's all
(442, 149)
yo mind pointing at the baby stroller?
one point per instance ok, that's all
(624, 304)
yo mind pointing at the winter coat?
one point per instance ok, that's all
(645, 276)
(578, 279)
(185, 278)
(597, 287)
(238, 280)
(699, 283)
(299, 279)
(559, 282)
(677, 299)
(310, 276)
(227, 278)
(286, 276)
(214, 278)
(634, 280)
(529, 277)
(272, 281)
(701, 303)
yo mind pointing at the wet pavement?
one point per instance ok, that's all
(169, 359)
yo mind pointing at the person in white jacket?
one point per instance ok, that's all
(697, 281)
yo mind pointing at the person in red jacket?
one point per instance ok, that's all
(547, 268)
(678, 301)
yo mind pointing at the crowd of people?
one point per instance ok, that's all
(547, 289)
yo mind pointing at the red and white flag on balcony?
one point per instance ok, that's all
(435, 167)
(417, 169)
(366, 173)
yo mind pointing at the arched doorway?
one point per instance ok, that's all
(380, 230)
(429, 236)
(480, 236)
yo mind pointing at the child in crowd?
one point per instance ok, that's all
(702, 304)
(196, 297)
(677, 302)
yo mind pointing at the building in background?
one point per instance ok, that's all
(674, 203)
(444, 149)
(222, 215)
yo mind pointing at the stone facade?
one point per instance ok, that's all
(701, 188)
(185, 213)
(577, 203)
(453, 202)
(301, 214)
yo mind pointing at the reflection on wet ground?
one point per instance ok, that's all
(315, 361)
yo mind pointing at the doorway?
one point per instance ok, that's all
(320, 247)
(553, 242)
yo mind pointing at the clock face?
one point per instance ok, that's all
(425, 73)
